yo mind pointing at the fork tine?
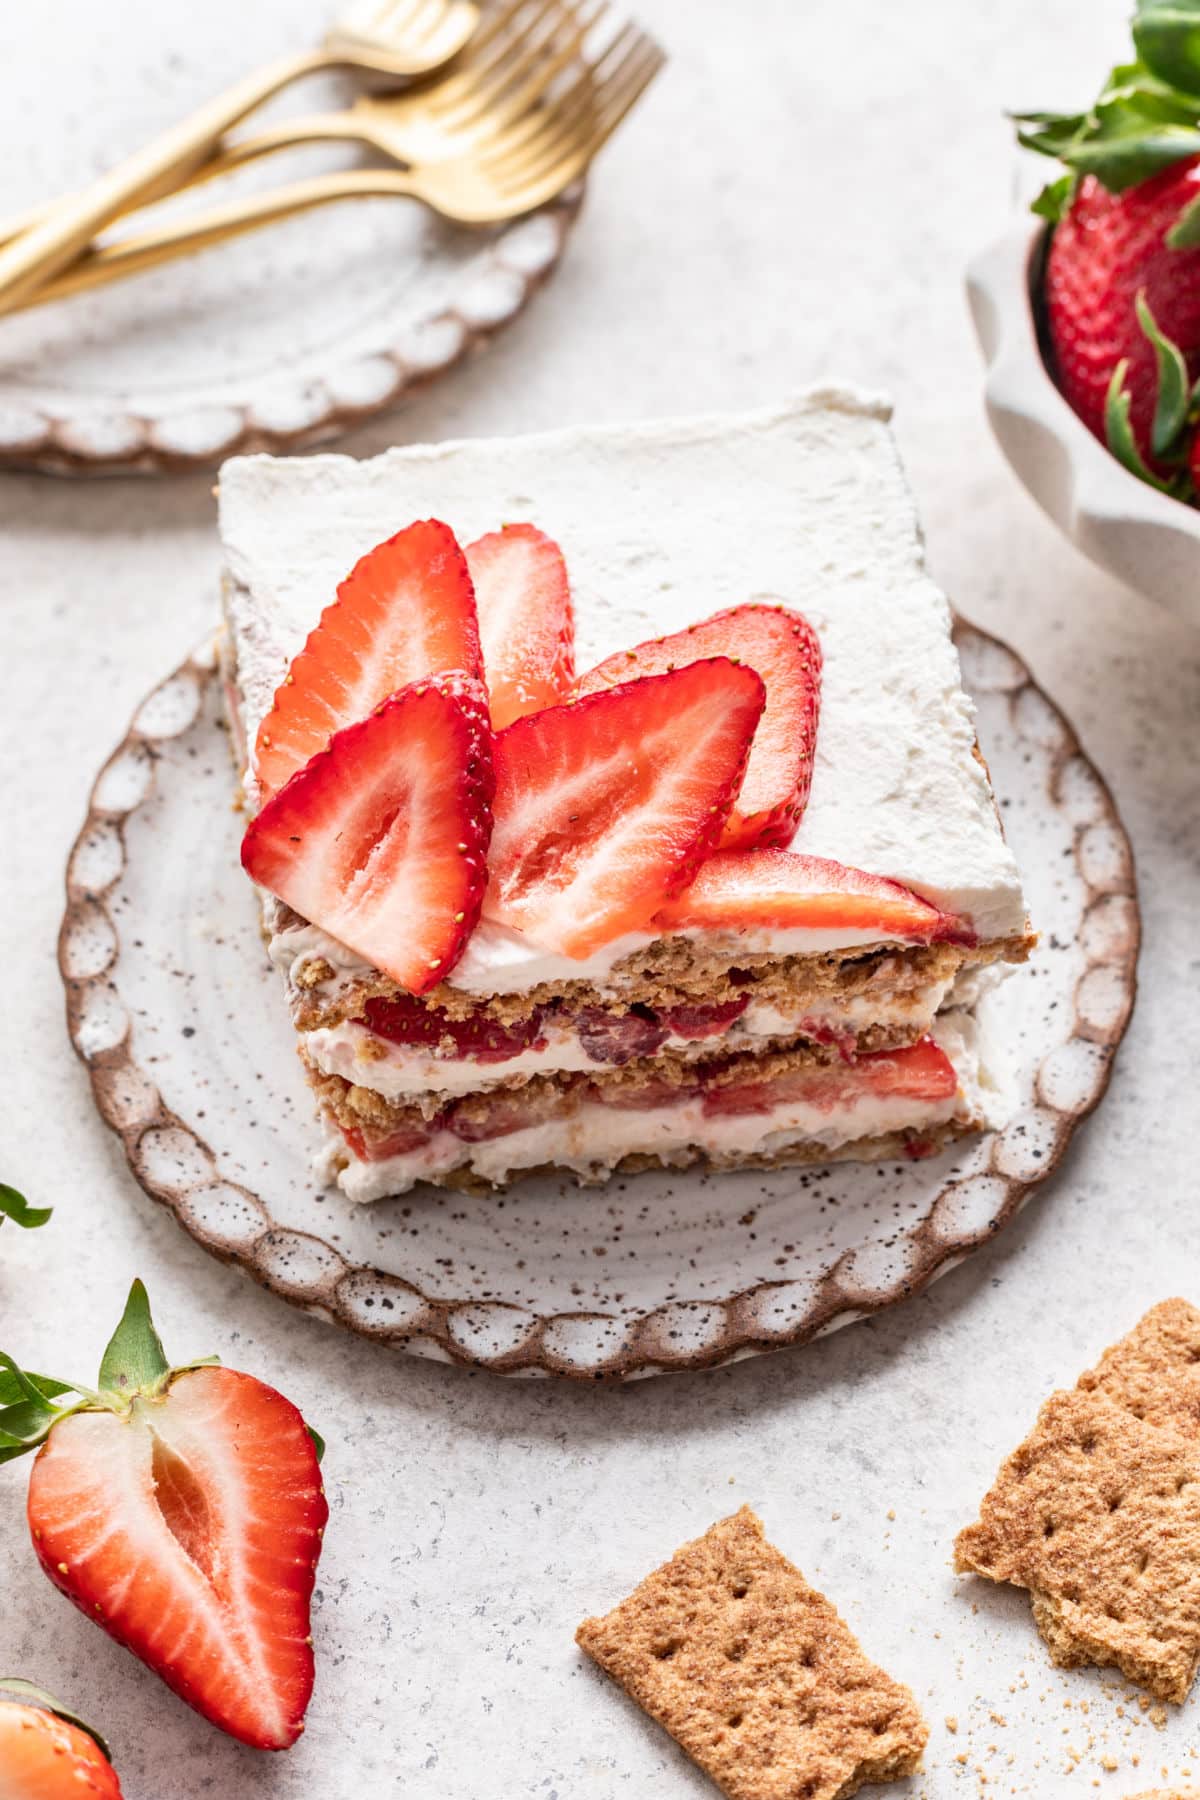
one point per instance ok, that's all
(562, 158)
(502, 62)
(511, 88)
(445, 97)
(569, 116)
(506, 108)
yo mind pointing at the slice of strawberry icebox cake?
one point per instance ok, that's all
(615, 801)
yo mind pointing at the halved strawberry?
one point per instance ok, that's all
(606, 807)
(922, 1071)
(47, 1753)
(784, 649)
(779, 889)
(526, 624)
(182, 1510)
(406, 611)
(382, 838)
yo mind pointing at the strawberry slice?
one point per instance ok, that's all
(49, 1754)
(406, 611)
(779, 889)
(182, 1510)
(526, 624)
(922, 1072)
(382, 838)
(606, 807)
(784, 649)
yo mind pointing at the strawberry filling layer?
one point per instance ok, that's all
(920, 1073)
(612, 1039)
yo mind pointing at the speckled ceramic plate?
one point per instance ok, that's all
(183, 1028)
(181, 368)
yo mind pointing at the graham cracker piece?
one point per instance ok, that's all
(754, 1674)
(1154, 1372)
(1097, 1513)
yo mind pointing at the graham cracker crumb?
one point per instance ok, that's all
(754, 1674)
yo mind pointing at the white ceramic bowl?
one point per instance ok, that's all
(1142, 537)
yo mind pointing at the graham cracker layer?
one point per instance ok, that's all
(1097, 1513)
(754, 1674)
(679, 971)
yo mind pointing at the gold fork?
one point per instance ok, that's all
(387, 37)
(523, 46)
(521, 165)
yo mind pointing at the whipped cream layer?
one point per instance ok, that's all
(595, 1138)
(662, 524)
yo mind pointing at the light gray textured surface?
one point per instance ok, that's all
(474, 1522)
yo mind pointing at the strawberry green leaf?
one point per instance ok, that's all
(1174, 385)
(36, 1696)
(1167, 36)
(1055, 199)
(134, 1358)
(1185, 232)
(1139, 125)
(318, 1442)
(13, 1386)
(14, 1206)
(1118, 431)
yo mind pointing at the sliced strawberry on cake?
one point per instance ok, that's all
(405, 611)
(606, 807)
(782, 647)
(182, 1510)
(780, 890)
(381, 839)
(526, 624)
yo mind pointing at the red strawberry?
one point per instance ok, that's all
(784, 649)
(382, 838)
(526, 624)
(405, 612)
(920, 1072)
(1108, 248)
(606, 807)
(48, 1754)
(378, 1146)
(182, 1510)
(778, 889)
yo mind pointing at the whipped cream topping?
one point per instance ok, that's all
(662, 524)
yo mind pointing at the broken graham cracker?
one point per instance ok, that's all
(754, 1674)
(1097, 1513)
(1154, 1371)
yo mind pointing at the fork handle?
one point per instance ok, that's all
(156, 168)
(131, 256)
(231, 153)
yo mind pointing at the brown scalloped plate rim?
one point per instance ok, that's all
(644, 1348)
(54, 442)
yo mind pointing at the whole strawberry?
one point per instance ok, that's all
(46, 1753)
(1126, 229)
(1106, 250)
(182, 1510)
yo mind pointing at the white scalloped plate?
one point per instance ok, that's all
(1144, 538)
(192, 1061)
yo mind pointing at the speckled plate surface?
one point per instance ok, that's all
(191, 1055)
